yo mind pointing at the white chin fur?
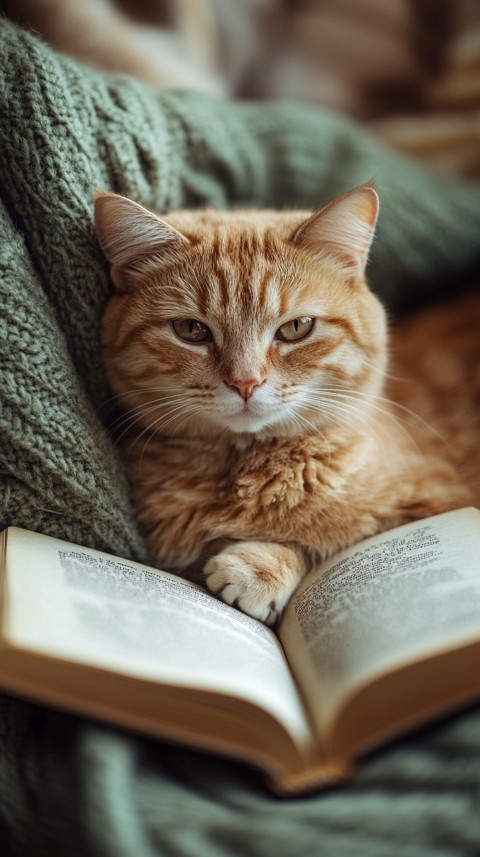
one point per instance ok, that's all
(248, 423)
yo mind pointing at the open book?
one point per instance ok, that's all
(379, 638)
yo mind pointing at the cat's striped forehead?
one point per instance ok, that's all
(240, 273)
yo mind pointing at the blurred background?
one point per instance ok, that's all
(409, 70)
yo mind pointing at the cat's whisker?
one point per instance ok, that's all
(351, 415)
(135, 415)
(391, 403)
(360, 414)
(303, 421)
(301, 418)
(139, 391)
(139, 413)
(144, 405)
(163, 422)
(157, 431)
(128, 421)
(174, 391)
(169, 416)
(344, 416)
(351, 402)
(188, 410)
(180, 420)
(370, 401)
(383, 372)
(354, 403)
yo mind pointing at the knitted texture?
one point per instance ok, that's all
(68, 787)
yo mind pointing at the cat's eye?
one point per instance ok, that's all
(295, 330)
(191, 330)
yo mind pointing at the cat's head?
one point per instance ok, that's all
(242, 322)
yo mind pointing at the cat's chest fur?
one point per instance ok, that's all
(204, 490)
(190, 493)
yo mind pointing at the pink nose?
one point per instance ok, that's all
(244, 388)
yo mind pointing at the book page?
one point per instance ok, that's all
(393, 599)
(87, 606)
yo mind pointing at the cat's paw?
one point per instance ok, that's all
(256, 577)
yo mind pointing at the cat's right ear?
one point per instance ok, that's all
(131, 236)
(343, 229)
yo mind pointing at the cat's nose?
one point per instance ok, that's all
(244, 388)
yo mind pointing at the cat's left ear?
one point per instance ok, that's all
(130, 235)
(343, 229)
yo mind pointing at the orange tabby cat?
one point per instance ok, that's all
(250, 357)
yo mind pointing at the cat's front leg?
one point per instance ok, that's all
(257, 577)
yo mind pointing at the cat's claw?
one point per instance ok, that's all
(256, 577)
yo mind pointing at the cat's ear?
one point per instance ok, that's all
(343, 229)
(129, 235)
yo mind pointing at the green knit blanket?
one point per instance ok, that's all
(67, 786)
